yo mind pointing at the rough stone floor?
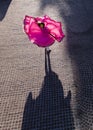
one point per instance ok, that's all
(41, 90)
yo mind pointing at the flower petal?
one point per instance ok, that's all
(43, 36)
(54, 27)
(27, 22)
(37, 35)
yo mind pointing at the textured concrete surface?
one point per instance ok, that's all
(40, 90)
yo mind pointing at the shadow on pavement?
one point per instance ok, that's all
(4, 4)
(75, 13)
(80, 50)
(79, 36)
(51, 110)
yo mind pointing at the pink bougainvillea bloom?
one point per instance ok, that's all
(43, 31)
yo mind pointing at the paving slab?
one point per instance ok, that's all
(39, 90)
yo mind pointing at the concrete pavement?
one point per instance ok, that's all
(31, 98)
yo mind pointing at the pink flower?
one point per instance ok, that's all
(43, 31)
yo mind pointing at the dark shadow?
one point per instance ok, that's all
(80, 50)
(4, 4)
(78, 17)
(51, 110)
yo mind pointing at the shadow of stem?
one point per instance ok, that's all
(51, 110)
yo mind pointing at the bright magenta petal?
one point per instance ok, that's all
(37, 35)
(27, 22)
(45, 36)
(54, 27)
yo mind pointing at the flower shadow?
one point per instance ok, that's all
(50, 110)
(4, 4)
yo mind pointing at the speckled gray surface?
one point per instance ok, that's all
(31, 98)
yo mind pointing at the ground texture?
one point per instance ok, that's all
(32, 98)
